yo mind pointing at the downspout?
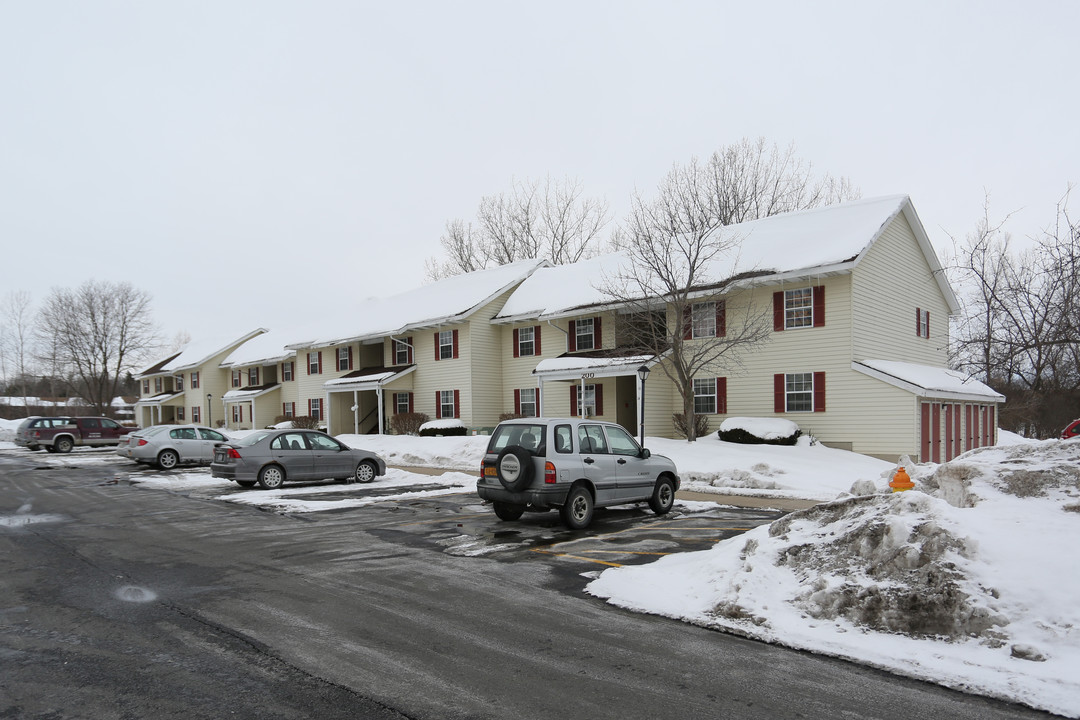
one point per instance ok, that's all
(356, 412)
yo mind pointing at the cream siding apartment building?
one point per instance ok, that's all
(185, 386)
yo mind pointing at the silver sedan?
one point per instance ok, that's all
(270, 457)
(173, 445)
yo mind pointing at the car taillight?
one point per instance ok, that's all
(233, 454)
(483, 468)
(549, 473)
(142, 441)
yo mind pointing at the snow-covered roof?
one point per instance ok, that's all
(447, 301)
(160, 398)
(821, 241)
(929, 381)
(571, 367)
(250, 393)
(265, 349)
(196, 353)
(368, 378)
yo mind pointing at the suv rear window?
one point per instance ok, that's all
(528, 436)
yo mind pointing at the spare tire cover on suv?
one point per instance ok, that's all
(515, 468)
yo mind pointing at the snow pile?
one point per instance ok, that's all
(445, 424)
(764, 428)
(7, 431)
(455, 453)
(969, 581)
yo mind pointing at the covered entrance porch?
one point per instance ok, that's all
(358, 403)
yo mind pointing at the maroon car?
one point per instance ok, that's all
(89, 431)
(1071, 430)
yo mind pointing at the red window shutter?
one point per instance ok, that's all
(411, 400)
(721, 318)
(410, 357)
(517, 402)
(437, 346)
(778, 311)
(918, 322)
(284, 409)
(455, 344)
(599, 395)
(457, 400)
(516, 353)
(320, 364)
(258, 373)
(241, 412)
(819, 392)
(573, 398)
(819, 306)
(536, 340)
(438, 405)
(721, 395)
(688, 323)
(779, 399)
(572, 339)
(350, 357)
(927, 323)
(309, 407)
(309, 365)
(598, 338)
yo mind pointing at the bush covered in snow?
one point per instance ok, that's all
(759, 431)
(443, 428)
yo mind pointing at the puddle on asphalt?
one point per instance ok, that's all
(134, 594)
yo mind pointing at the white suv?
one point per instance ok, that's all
(573, 464)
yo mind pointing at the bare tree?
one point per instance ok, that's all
(18, 315)
(678, 243)
(100, 330)
(551, 219)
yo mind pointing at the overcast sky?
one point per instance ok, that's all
(248, 162)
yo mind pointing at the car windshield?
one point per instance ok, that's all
(249, 440)
(529, 436)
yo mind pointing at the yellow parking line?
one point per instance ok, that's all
(624, 552)
(442, 520)
(576, 557)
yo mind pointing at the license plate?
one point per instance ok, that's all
(489, 471)
(219, 456)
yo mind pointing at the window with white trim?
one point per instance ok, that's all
(705, 396)
(289, 409)
(585, 338)
(528, 402)
(194, 385)
(402, 352)
(799, 392)
(446, 346)
(799, 308)
(146, 387)
(316, 408)
(526, 342)
(286, 372)
(923, 329)
(253, 376)
(446, 404)
(703, 317)
(157, 385)
(196, 414)
(235, 378)
(343, 355)
(180, 413)
(586, 403)
(237, 413)
(314, 363)
(179, 380)
(401, 403)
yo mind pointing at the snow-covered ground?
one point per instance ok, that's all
(970, 580)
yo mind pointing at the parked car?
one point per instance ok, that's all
(123, 448)
(1071, 430)
(270, 457)
(24, 433)
(173, 445)
(573, 464)
(59, 436)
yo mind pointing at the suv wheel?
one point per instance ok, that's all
(663, 496)
(515, 468)
(577, 512)
(508, 511)
(64, 445)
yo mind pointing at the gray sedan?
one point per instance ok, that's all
(173, 445)
(270, 457)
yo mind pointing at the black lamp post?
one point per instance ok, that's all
(209, 411)
(643, 374)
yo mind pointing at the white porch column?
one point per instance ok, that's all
(326, 412)
(356, 412)
(379, 398)
(540, 400)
